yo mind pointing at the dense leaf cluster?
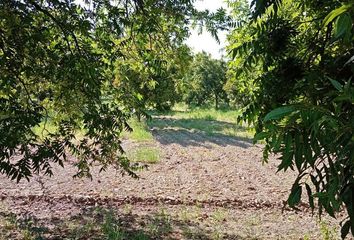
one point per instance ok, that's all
(56, 59)
(303, 106)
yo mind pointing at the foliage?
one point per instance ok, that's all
(239, 88)
(151, 71)
(303, 105)
(50, 59)
(205, 81)
(58, 61)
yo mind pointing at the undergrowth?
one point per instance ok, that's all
(144, 155)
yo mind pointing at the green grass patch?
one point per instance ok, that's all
(140, 131)
(148, 155)
(44, 128)
(209, 127)
(211, 114)
(208, 121)
(208, 114)
(48, 127)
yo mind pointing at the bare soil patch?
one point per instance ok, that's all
(204, 187)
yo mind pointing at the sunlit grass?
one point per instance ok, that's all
(44, 128)
(206, 113)
(140, 131)
(209, 114)
(206, 120)
(150, 155)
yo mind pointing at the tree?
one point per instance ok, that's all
(303, 106)
(205, 81)
(57, 64)
(152, 78)
(239, 88)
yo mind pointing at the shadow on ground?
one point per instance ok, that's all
(199, 132)
(103, 223)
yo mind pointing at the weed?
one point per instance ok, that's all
(327, 232)
(81, 231)
(219, 215)
(149, 155)
(111, 229)
(10, 225)
(217, 235)
(253, 221)
(127, 209)
(160, 224)
(188, 214)
(27, 235)
(306, 237)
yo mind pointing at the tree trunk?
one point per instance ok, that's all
(216, 101)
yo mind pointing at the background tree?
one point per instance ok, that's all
(152, 78)
(239, 85)
(303, 105)
(205, 81)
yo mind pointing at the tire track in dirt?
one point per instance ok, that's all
(253, 204)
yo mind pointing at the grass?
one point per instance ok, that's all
(206, 126)
(44, 128)
(188, 222)
(140, 131)
(148, 155)
(208, 121)
(142, 134)
(328, 232)
(206, 113)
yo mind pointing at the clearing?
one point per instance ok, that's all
(205, 180)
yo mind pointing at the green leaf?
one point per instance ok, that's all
(295, 195)
(336, 84)
(308, 154)
(345, 229)
(261, 135)
(298, 151)
(335, 13)
(343, 26)
(309, 193)
(279, 113)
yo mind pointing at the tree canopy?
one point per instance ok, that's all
(58, 64)
(298, 55)
(205, 80)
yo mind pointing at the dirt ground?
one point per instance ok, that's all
(204, 187)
